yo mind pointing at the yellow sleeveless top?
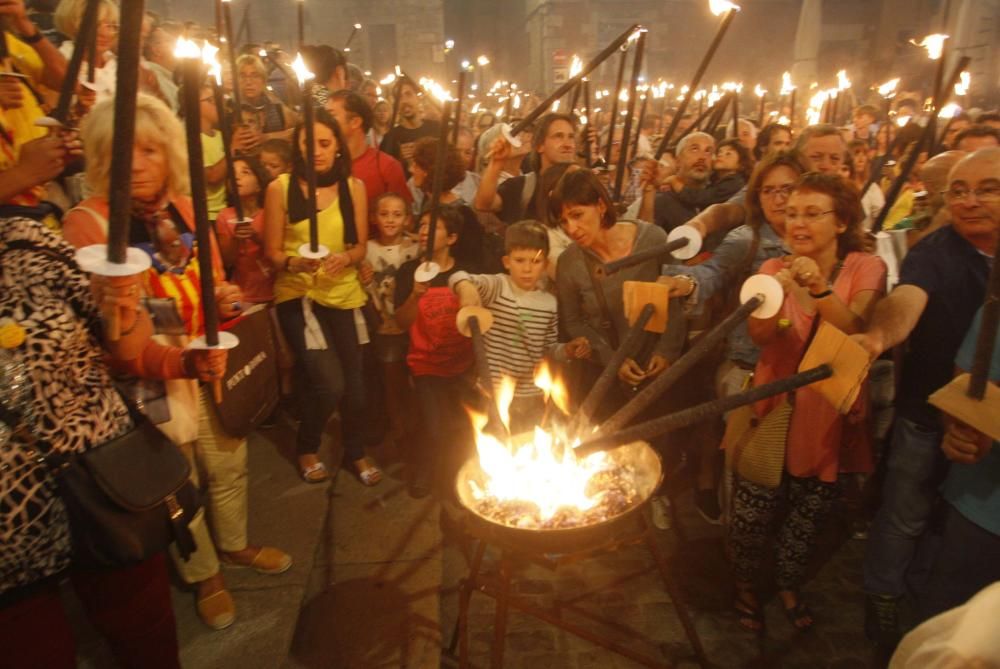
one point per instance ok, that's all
(340, 291)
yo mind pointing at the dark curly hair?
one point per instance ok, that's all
(424, 155)
(846, 207)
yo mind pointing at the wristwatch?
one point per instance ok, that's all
(33, 39)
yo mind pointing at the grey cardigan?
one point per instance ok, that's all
(580, 313)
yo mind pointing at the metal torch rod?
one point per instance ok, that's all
(674, 372)
(633, 93)
(483, 372)
(84, 35)
(546, 104)
(613, 122)
(696, 414)
(643, 256)
(926, 139)
(695, 80)
(600, 388)
(712, 113)
(437, 183)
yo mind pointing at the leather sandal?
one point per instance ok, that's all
(268, 560)
(217, 610)
(315, 473)
(798, 615)
(749, 613)
(369, 474)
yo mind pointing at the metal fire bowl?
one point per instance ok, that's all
(649, 473)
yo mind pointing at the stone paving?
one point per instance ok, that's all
(377, 573)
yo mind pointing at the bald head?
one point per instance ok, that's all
(976, 218)
(934, 173)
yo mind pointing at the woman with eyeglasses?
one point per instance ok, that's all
(263, 116)
(826, 278)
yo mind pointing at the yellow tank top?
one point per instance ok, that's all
(340, 291)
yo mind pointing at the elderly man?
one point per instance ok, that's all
(942, 284)
(823, 148)
(694, 167)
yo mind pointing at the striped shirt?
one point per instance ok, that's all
(525, 328)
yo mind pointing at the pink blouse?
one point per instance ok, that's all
(821, 442)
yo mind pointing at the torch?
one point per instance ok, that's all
(717, 7)
(630, 111)
(209, 57)
(350, 38)
(87, 33)
(116, 258)
(615, 95)
(642, 119)
(888, 92)
(313, 249)
(761, 94)
(189, 58)
(237, 102)
(787, 88)
(428, 269)
(301, 13)
(460, 99)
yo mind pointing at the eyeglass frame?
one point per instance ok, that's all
(810, 217)
(950, 198)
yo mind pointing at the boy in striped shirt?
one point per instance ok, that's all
(525, 318)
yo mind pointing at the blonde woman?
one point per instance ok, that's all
(163, 226)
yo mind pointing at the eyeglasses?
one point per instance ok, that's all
(774, 191)
(808, 217)
(985, 195)
(251, 75)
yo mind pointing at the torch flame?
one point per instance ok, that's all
(843, 83)
(949, 110)
(576, 66)
(302, 72)
(720, 6)
(552, 387)
(208, 56)
(517, 101)
(786, 83)
(759, 91)
(385, 81)
(965, 81)
(185, 48)
(888, 89)
(934, 45)
(902, 121)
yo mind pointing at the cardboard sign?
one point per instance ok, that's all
(982, 415)
(637, 294)
(850, 363)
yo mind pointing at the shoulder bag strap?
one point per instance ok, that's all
(607, 325)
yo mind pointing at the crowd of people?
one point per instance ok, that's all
(520, 231)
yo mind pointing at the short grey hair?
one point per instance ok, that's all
(818, 130)
(690, 137)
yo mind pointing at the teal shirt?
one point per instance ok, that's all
(974, 490)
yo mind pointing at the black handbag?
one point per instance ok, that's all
(127, 499)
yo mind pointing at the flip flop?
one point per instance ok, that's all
(370, 475)
(315, 473)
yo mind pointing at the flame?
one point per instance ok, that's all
(302, 72)
(475, 108)
(888, 89)
(555, 105)
(185, 48)
(553, 388)
(208, 56)
(483, 61)
(576, 66)
(934, 45)
(720, 6)
(517, 101)
(435, 89)
(843, 83)
(784, 120)
(964, 83)
(949, 110)
(786, 83)
(902, 120)
(759, 91)
(698, 95)
(388, 79)
(623, 95)
(544, 469)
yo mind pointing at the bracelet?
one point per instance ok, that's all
(820, 296)
(33, 39)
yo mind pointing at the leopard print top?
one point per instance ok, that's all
(73, 405)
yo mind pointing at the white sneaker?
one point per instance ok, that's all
(659, 509)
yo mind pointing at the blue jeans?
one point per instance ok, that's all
(914, 471)
(331, 375)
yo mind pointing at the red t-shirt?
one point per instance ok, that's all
(437, 348)
(381, 173)
(252, 271)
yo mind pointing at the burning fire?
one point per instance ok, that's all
(933, 43)
(536, 480)
(719, 6)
